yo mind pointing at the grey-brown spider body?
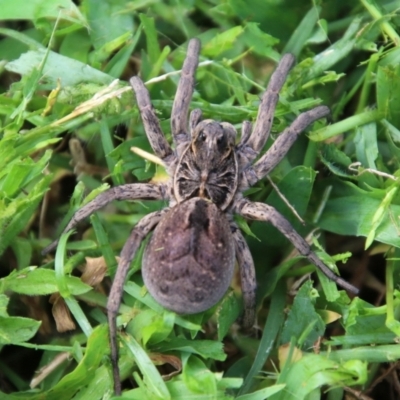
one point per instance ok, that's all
(189, 261)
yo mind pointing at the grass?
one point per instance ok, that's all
(66, 129)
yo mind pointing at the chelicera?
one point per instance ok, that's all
(189, 261)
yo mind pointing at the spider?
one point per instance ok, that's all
(189, 260)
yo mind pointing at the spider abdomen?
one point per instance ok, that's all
(189, 261)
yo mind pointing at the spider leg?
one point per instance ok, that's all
(282, 144)
(144, 191)
(245, 154)
(195, 118)
(264, 212)
(139, 232)
(151, 124)
(268, 104)
(184, 92)
(246, 133)
(247, 277)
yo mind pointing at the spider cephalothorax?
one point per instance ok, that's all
(189, 261)
(208, 166)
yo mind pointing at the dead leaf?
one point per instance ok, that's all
(61, 314)
(94, 270)
(161, 359)
(329, 316)
(283, 354)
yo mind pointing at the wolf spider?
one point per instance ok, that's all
(189, 261)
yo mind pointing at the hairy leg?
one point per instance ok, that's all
(195, 117)
(246, 133)
(282, 145)
(139, 232)
(247, 277)
(142, 191)
(184, 92)
(151, 124)
(268, 104)
(264, 212)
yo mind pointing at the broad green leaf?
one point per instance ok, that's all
(150, 328)
(69, 71)
(20, 172)
(3, 305)
(313, 371)
(39, 281)
(336, 160)
(14, 330)
(197, 377)
(366, 144)
(227, 313)
(303, 318)
(393, 136)
(17, 43)
(380, 213)
(36, 9)
(364, 325)
(97, 347)
(388, 89)
(13, 180)
(222, 42)
(22, 249)
(69, 48)
(108, 20)
(350, 211)
(320, 34)
(259, 41)
(15, 217)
